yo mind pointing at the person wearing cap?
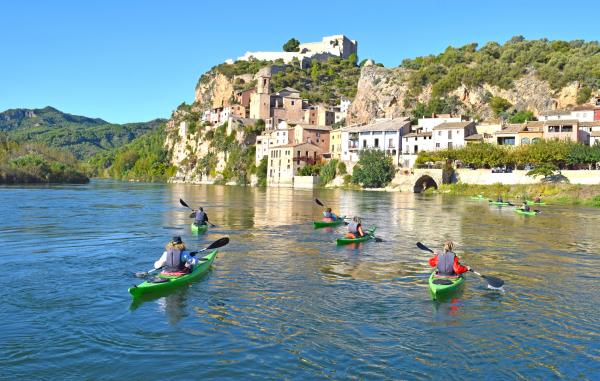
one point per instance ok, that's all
(447, 263)
(355, 229)
(201, 217)
(175, 258)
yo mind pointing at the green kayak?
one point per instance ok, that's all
(478, 198)
(441, 287)
(169, 282)
(529, 202)
(499, 203)
(323, 224)
(198, 229)
(525, 213)
(366, 237)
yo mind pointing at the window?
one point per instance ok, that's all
(449, 145)
(391, 143)
(437, 145)
(439, 133)
(449, 135)
(376, 144)
(364, 143)
(292, 103)
(416, 149)
(567, 129)
(525, 141)
(553, 128)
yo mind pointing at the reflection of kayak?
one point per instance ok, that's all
(198, 229)
(366, 237)
(441, 287)
(322, 224)
(164, 282)
(525, 213)
(529, 202)
(499, 203)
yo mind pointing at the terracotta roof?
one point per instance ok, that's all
(560, 122)
(314, 127)
(417, 135)
(595, 134)
(595, 123)
(587, 107)
(511, 129)
(555, 112)
(383, 125)
(474, 137)
(296, 145)
(453, 125)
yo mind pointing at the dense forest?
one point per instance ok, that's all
(34, 163)
(82, 136)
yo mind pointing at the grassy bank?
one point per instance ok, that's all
(571, 194)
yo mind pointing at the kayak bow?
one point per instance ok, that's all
(198, 229)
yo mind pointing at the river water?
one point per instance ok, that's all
(282, 301)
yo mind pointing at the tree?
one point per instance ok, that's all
(353, 59)
(583, 95)
(374, 169)
(261, 171)
(521, 116)
(291, 46)
(499, 105)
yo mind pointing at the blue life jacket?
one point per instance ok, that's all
(328, 215)
(445, 264)
(174, 262)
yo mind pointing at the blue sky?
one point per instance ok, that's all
(127, 61)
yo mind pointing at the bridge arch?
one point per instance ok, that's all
(423, 183)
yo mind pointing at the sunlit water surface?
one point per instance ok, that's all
(282, 301)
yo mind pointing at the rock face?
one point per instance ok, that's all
(382, 93)
(216, 90)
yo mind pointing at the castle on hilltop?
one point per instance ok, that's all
(330, 46)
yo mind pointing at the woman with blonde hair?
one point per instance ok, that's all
(447, 263)
(176, 259)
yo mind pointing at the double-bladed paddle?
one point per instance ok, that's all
(193, 214)
(507, 202)
(215, 245)
(492, 281)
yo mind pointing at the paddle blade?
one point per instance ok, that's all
(218, 243)
(493, 281)
(423, 247)
(141, 275)
(184, 204)
(319, 202)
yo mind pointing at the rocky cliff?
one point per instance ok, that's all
(384, 92)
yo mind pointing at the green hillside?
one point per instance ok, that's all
(82, 136)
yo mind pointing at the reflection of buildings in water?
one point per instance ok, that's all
(284, 206)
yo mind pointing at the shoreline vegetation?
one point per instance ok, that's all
(34, 163)
(552, 193)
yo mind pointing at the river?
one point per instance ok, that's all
(282, 301)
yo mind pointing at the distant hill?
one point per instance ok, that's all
(80, 135)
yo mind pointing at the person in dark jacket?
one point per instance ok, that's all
(447, 263)
(201, 217)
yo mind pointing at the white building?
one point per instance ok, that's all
(330, 46)
(452, 134)
(427, 124)
(583, 113)
(384, 135)
(283, 135)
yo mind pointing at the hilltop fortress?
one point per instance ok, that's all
(329, 46)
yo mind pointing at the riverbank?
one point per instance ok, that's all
(568, 194)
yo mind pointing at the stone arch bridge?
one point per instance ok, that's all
(419, 179)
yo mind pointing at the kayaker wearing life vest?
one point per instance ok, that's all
(447, 262)
(499, 199)
(328, 215)
(201, 217)
(538, 199)
(355, 229)
(525, 207)
(176, 258)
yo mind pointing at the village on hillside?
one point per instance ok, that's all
(298, 133)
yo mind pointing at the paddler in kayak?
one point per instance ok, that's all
(499, 199)
(176, 259)
(447, 263)
(525, 207)
(355, 229)
(329, 216)
(201, 217)
(538, 199)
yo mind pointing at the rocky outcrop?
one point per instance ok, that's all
(216, 90)
(383, 92)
